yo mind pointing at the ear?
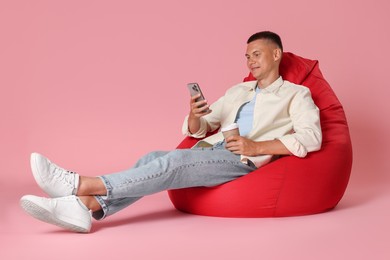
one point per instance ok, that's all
(277, 54)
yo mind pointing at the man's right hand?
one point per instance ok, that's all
(198, 109)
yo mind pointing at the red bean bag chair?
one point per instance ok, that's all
(289, 186)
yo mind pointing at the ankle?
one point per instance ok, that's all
(91, 186)
(90, 202)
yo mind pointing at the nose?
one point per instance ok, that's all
(250, 61)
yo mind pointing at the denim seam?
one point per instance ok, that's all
(108, 186)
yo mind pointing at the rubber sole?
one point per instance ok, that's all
(44, 215)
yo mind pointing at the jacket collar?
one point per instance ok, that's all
(273, 88)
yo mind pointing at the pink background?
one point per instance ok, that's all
(96, 84)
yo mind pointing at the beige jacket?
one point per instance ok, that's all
(283, 111)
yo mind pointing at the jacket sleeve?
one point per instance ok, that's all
(307, 135)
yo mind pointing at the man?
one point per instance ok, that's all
(275, 117)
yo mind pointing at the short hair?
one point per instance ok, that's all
(271, 36)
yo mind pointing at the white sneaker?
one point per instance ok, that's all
(66, 212)
(54, 180)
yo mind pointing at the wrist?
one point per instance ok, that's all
(191, 117)
(259, 148)
(193, 124)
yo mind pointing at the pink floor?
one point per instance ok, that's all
(152, 229)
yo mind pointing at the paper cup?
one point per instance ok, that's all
(230, 130)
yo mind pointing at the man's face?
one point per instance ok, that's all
(263, 59)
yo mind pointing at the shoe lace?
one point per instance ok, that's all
(63, 175)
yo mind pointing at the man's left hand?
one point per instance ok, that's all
(241, 145)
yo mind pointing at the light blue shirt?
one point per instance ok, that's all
(244, 117)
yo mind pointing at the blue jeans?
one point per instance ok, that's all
(159, 171)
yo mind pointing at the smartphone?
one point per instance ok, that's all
(194, 90)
